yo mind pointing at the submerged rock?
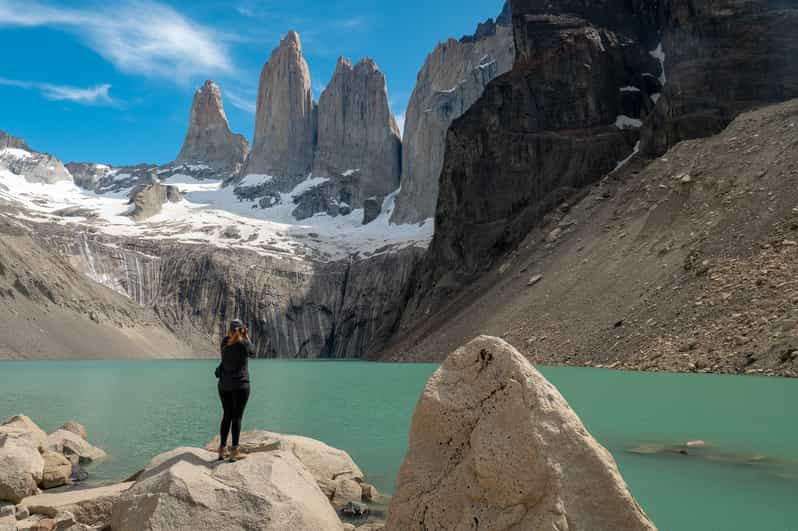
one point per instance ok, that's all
(494, 445)
(267, 490)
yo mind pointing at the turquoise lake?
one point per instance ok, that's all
(137, 409)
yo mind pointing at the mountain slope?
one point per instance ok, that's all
(686, 263)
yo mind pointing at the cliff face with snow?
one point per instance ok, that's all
(453, 77)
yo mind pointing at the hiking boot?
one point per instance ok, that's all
(222, 453)
(235, 454)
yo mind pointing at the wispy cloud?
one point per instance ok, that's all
(97, 95)
(240, 102)
(137, 36)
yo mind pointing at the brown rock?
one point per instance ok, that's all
(57, 470)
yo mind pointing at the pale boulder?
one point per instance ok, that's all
(268, 490)
(323, 461)
(24, 424)
(88, 506)
(74, 447)
(57, 470)
(493, 442)
(76, 428)
(21, 467)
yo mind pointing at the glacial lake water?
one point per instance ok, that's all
(137, 409)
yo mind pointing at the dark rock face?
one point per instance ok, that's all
(209, 139)
(590, 79)
(721, 58)
(357, 131)
(371, 209)
(544, 128)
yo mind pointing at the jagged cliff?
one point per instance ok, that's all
(453, 77)
(357, 132)
(209, 139)
(285, 119)
(590, 81)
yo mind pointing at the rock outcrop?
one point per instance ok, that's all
(285, 122)
(91, 507)
(21, 466)
(270, 490)
(147, 200)
(209, 139)
(357, 131)
(493, 445)
(10, 141)
(453, 77)
(34, 166)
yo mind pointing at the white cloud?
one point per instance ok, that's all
(97, 95)
(239, 102)
(137, 36)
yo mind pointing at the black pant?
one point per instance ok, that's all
(233, 404)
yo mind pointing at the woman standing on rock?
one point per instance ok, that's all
(233, 375)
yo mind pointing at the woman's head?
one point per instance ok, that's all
(237, 331)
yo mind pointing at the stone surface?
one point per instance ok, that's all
(721, 58)
(89, 506)
(285, 121)
(209, 139)
(369, 493)
(494, 444)
(21, 466)
(25, 424)
(57, 470)
(357, 131)
(346, 491)
(453, 77)
(147, 200)
(74, 447)
(324, 462)
(266, 490)
(36, 167)
(76, 428)
(372, 207)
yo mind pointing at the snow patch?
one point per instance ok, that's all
(347, 173)
(15, 153)
(655, 97)
(659, 54)
(625, 161)
(254, 180)
(625, 122)
(629, 88)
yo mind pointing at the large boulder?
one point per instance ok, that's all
(268, 490)
(494, 445)
(23, 423)
(88, 506)
(21, 466)
(147, 200)
(76, 428)
(57, 470)
(324, 462)
(74, 447)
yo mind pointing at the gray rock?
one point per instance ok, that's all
(453, 77)
(357, 131)
(9, 141)
(372, 207)
(73, 447)
(34, 166)
(148, 199)
(209, 139)
(355, 509)
(285, 121)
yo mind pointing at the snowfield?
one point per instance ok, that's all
(211, 213)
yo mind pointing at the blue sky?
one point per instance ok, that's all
(112, 81)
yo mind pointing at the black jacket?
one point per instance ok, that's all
(233, 371)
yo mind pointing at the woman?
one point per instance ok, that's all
(233, 375)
